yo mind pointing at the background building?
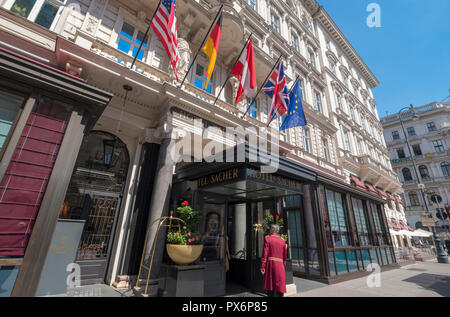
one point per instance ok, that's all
(430, 141)
(122, 180)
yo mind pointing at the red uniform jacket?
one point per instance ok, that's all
(273, 262)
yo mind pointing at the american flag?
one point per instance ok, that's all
(164, 24)
(278, 91)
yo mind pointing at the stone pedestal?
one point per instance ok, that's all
(182, 281)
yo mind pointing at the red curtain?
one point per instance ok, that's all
(25, 181)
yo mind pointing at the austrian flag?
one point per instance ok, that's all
(244, 71)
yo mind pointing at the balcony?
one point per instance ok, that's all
(377, 174)
(347, 160)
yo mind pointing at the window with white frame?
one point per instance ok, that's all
(339, 101)
(275, 21)
(318, 101)
(438, 146)
(346, 141)
(306, 140)
(129, 40)
(295, 42)
(42, 12)
(312, 58)
(326, 150)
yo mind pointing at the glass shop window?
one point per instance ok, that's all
(338, 218)
(42, 12)
(361, 221)
(10, 105)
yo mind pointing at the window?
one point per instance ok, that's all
(339, 101)
(312, 58)
(130, 39)
(431, 127)
(276, 22)
(424, 172)
(378, 221)
(295, 42)
(414, 199)
(346, 141)
(401, 153)
(445, 169)
(306, 140)
(395, 135)
(326, 150)
(438, 146)
(318, 100)
(360, 147)
(417, 150)
(407, 174)
(253, 111)
(10, 105)
(337, 218)
(361, 221)
(42, 12)
(352, 114)
(200, 78)
(251, 3)
(411, 131)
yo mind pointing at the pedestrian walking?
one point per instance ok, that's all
(273, 263)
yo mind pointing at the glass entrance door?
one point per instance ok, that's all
(94, 195)
(258, 211)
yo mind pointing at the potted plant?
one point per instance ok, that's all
(269, 220)
(186, 245)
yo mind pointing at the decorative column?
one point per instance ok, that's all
(160, 201)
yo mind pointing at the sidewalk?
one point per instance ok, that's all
(423, 279)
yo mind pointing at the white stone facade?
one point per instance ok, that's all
(344, 133)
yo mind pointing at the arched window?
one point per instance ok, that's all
(424, 172)
(445, 168)
(407, 174)
(414, 199)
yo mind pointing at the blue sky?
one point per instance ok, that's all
(409, 53)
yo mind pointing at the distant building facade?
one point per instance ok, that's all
(429, 137)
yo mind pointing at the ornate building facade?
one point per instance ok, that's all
(344, 194)
(429, 139)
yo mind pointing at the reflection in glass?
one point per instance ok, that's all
(341, 262)
(214, 243)
(313, 262)
(23, 7)
(352, 263)
(47, 14)
(332, 263)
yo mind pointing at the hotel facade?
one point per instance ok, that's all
(86, 143)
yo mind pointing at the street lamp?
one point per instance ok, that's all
(441, 256)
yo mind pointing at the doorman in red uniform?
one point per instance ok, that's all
(273, 263)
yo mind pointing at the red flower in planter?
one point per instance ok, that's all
(186, 203)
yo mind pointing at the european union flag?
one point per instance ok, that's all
(295, 116)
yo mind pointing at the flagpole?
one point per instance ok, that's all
(229, 73)
(201, 46)
(145, 36)
(260, 88)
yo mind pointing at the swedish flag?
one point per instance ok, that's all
(295, 116)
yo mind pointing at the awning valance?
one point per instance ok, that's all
(372, 189)
(357, 182)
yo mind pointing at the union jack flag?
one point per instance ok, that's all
(164, 24)
(278, 91)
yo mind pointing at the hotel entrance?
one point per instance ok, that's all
(235, 204)
(234, 240)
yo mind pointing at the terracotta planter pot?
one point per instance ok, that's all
(184, 254)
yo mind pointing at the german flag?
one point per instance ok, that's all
(212, 47)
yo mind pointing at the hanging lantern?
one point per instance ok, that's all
(109, 147)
